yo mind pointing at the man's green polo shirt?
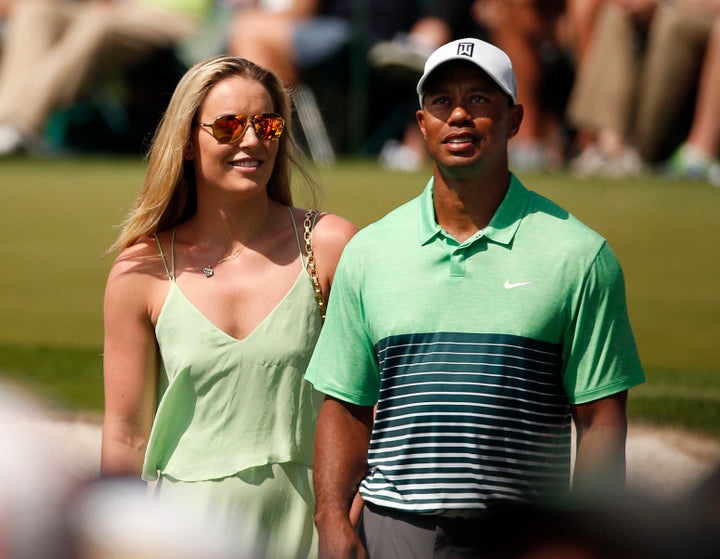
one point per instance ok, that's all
(475, 350)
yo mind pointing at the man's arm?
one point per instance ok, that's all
(341, 446)
(601, 434)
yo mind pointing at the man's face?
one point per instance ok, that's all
(466, 118)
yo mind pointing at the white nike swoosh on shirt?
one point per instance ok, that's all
(510, 285)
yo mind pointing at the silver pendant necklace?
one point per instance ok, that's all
(208, 269)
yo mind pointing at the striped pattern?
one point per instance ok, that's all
(467, 419)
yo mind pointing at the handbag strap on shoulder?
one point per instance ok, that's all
(308, 224)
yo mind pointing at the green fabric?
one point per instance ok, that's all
(235, 422)
(404, 274)
(241, 508)
(224, 404)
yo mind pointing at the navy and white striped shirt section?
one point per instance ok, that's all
(465, 420)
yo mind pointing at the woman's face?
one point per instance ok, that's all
(241, 167)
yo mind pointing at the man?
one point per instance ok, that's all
(480, 318)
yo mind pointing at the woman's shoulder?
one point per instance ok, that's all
(137, 283)
(333, 229)
(331, 233)
(141, 258)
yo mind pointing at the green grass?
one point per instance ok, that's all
(685, 399)
(59, 216)
(66, 378)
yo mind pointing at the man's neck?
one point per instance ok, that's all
(465, 206)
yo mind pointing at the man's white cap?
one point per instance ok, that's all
(485, 56)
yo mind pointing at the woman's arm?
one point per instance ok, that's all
(130, 365)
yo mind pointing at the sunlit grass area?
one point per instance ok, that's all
(59, 217)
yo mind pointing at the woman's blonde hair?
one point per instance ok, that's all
(168, 195)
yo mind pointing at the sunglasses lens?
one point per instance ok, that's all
(268, 126)
(228, 128)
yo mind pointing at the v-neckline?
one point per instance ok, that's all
(175, 287)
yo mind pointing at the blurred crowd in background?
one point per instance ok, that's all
(610, 87)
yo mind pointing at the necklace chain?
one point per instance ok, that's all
(208, 269)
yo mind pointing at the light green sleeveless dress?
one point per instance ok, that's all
(235, 421)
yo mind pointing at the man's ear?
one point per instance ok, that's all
(420, 117)
(516, 116)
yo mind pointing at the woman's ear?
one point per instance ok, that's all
(189, 151)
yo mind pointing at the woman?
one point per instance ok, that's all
(211, 315)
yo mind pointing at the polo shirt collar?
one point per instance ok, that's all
(502, 226)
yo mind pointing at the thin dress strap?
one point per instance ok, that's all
(297, 238)
(171, 274)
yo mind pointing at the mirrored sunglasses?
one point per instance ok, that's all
(228, 129)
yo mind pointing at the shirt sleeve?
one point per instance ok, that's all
(344, 364)
(601, 356)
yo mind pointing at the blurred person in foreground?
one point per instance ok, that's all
(48, 510)
(36, 480)
(211, 312)
(4, 10)
(481, 320)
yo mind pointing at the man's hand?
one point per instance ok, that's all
(340, 541)
(341, 446)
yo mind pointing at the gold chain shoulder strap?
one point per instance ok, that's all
(307, 236)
